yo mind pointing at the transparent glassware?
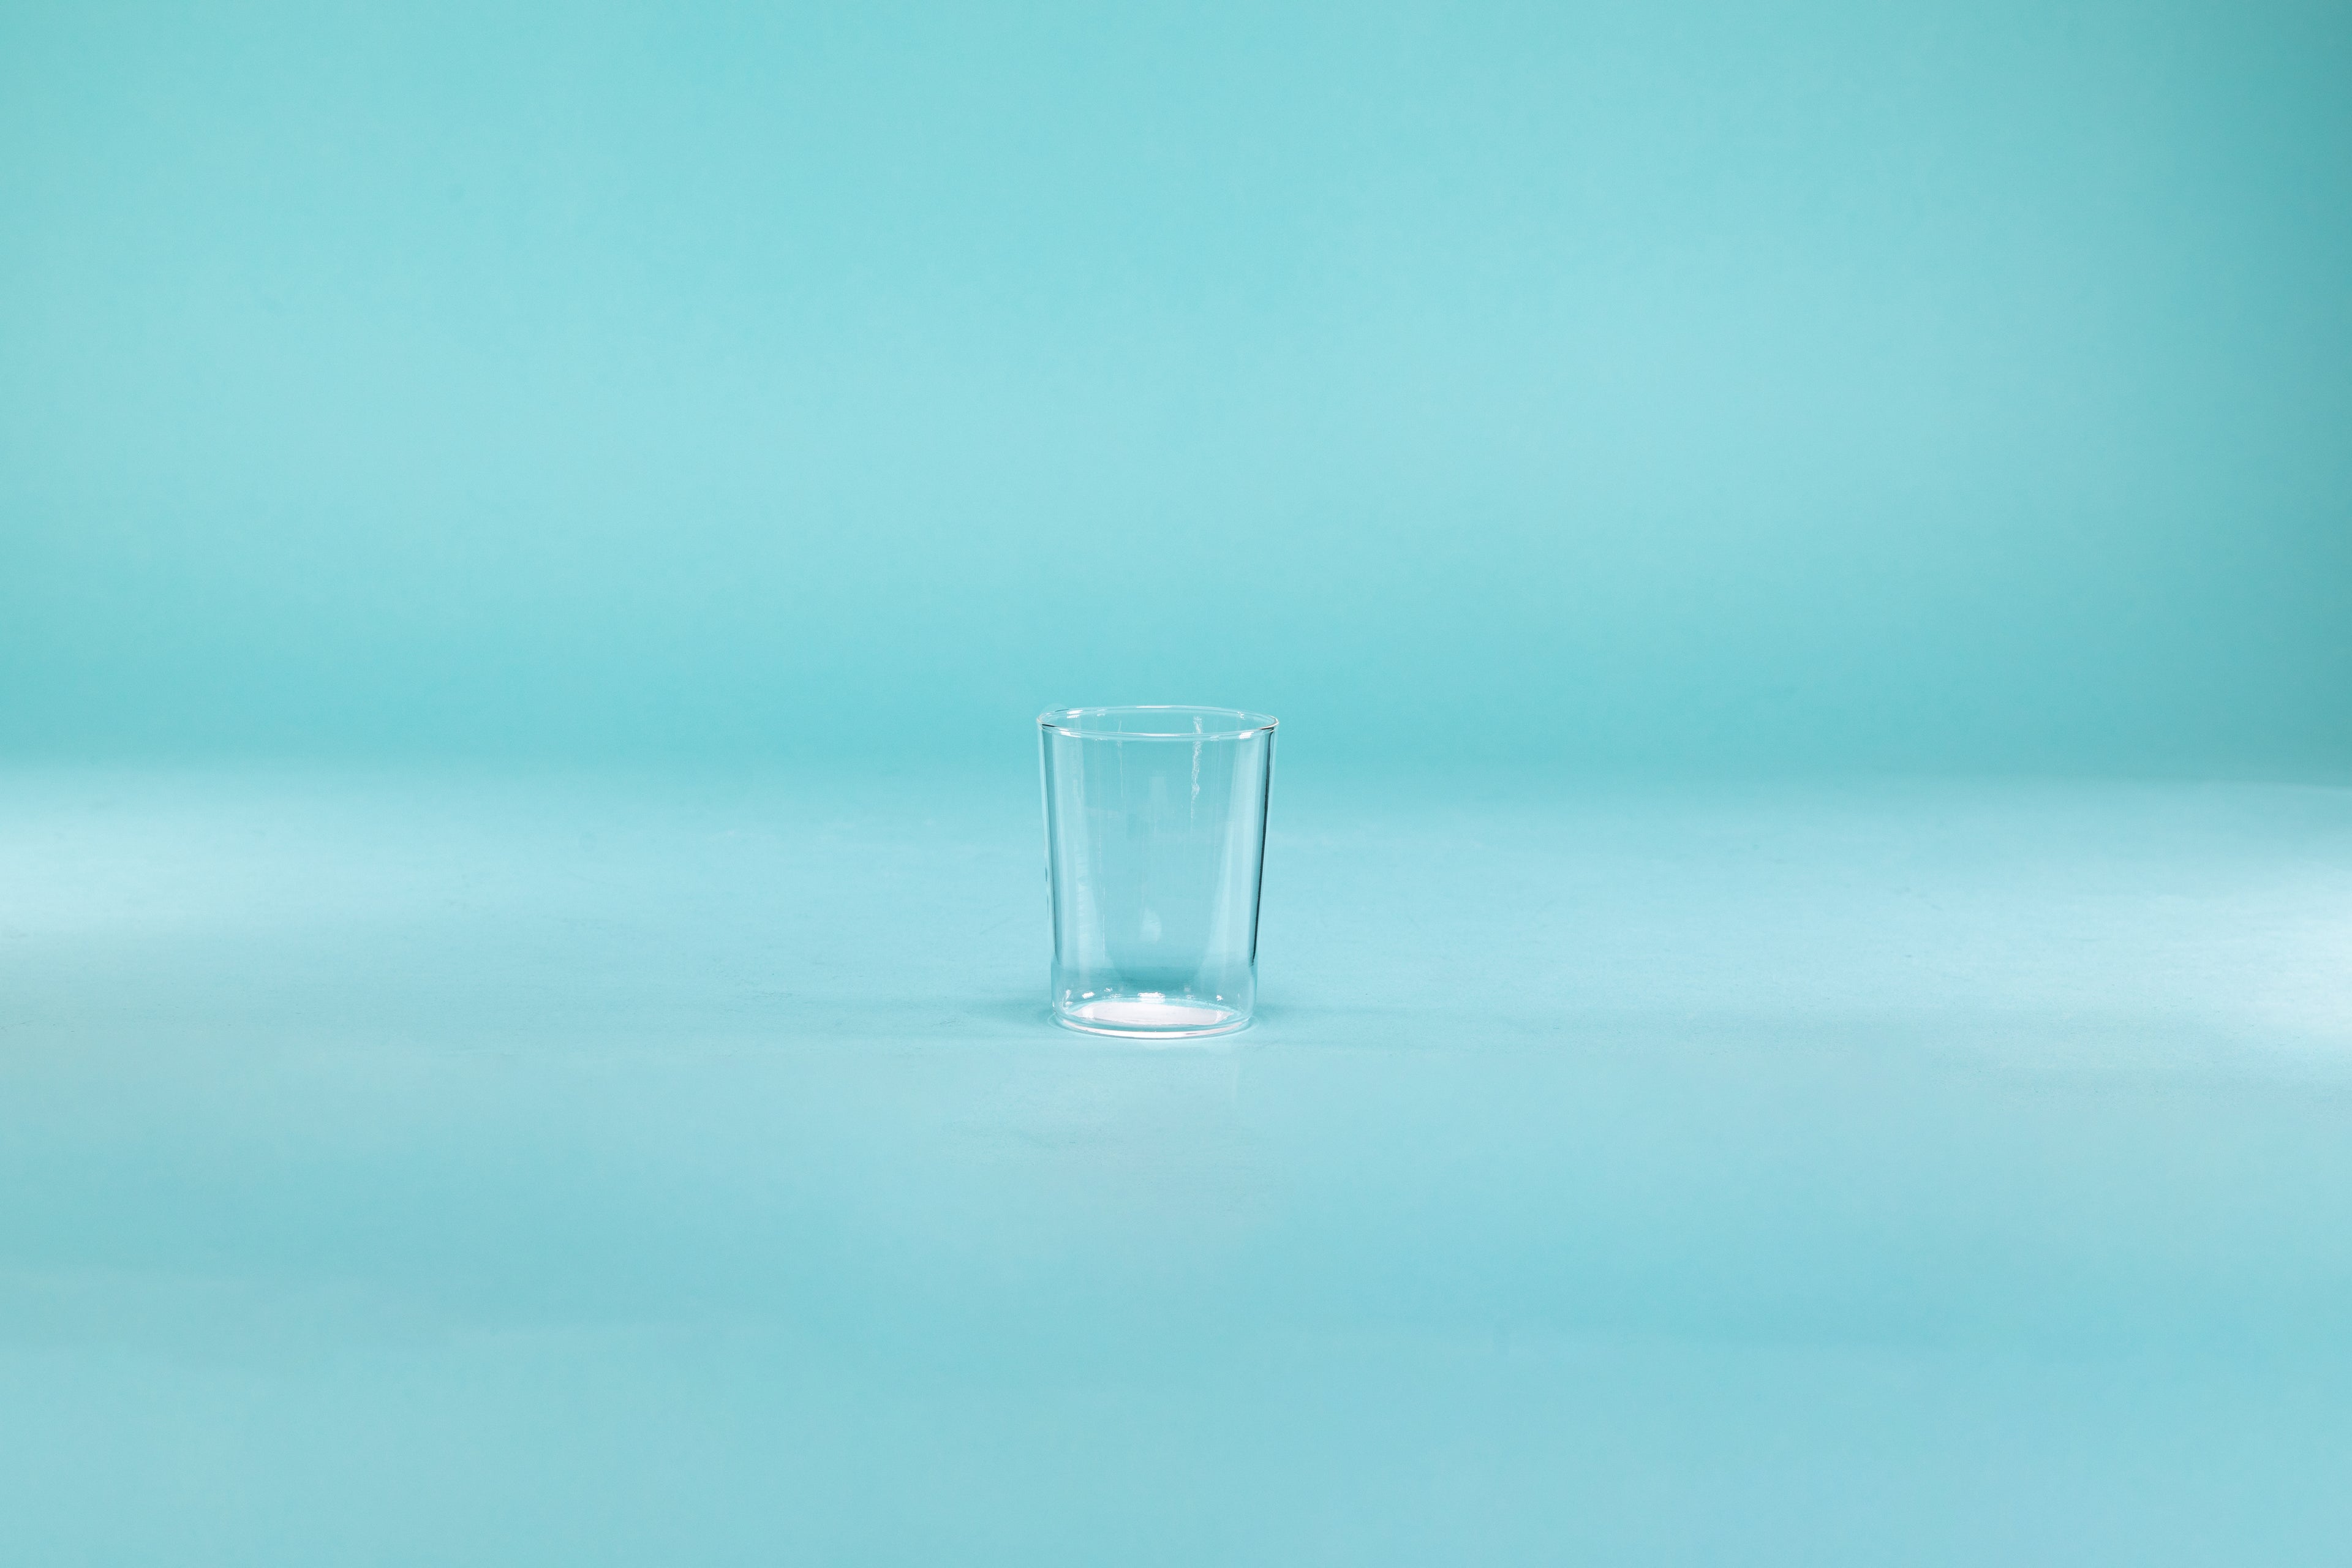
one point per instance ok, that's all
(1155, 850)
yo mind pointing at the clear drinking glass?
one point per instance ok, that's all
(1155, 842)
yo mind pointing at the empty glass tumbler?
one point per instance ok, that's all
(1155, 844)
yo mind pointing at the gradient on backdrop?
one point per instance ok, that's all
(1686, 385)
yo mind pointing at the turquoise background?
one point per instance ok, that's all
(1805, 557)
(1685, 385)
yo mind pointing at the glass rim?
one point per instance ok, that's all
(1077, 722)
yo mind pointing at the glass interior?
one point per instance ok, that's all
(1155, 828)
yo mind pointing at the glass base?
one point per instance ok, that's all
(1151, 1018)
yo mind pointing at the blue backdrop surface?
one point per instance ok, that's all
(560, 1169)
(1800, 385)
(1805, 555)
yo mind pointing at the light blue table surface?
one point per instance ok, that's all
(602, 1168)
